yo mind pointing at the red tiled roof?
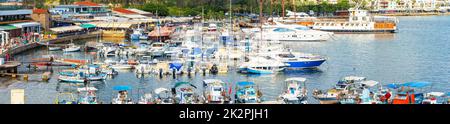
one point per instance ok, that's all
(86, 3)
(40, 11)
(124, 11)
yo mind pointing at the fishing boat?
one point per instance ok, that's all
(296, 92)
(407, 93)
(361, 93)
(331, 96)
(185, 93)
(72, 48)
(215, 91)
(146, 99)
(246, 92)
(262, 65)
(65, 98)
(163, 96)
(72, 79)
(122, 95)
(434, 98)
(87, 95)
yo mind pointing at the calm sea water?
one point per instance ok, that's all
(418, 52)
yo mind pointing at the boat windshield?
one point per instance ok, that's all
(283, 30)
(286, 55)
(217, 89)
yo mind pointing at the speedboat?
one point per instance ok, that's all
(262, 65)
(296, 92)
(300, 60)
(215, 91)
(247, 93)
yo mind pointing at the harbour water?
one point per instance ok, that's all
(418, 52)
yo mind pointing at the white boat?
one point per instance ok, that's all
(215, 91)
(122, 66)
(299, 60)
(122, 95)
(212, 27)
(282, 32)
(54, 48)
(143, 68)
(157, 49)
(359, 21)
(72, 48)
(71, 79)
(163, 96)
(331, 96)
(262, 65)
(296, 91)
(87, 95)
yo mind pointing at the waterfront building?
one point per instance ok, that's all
(83, 9)
(17, 26)
(43, 17)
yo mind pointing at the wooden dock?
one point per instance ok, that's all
(9, 67)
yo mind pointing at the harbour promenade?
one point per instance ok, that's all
(19, 48)
(10, 66)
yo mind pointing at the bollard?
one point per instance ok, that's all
(174, 74)
(204, 71)
(189, 72)
(25, 77)
(160, 73)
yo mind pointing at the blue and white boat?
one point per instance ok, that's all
(138, 34)
(247, 93)
(262, 65)
(300, 60)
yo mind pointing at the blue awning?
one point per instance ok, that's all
(122, 87)
(245, 83)
(177, 66)
(393, 85)
(416, 84)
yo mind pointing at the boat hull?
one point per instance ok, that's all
(305, 64)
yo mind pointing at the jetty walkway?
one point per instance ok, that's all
(16, 48)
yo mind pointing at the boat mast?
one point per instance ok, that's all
(260, 21)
